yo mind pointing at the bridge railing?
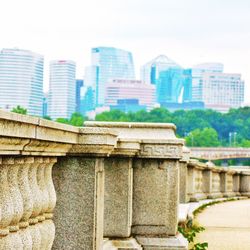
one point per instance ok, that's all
(102, 186)
(206, 181)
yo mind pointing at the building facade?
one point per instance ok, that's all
(150, 71)
(21, 80)
(173, 83)
(173, 86)
(79, 85)
(197, 72)
(120, 89)
(109, 63)
(222, 91)
(62, 89)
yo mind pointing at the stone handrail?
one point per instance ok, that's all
(206, 181)
(102, 186)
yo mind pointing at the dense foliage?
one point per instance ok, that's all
(206, 128)
(76, 119)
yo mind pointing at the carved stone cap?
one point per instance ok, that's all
(129, 124)
(139, 131)
(157, 140)
(185, 154)
(98, 141)
(127, 147)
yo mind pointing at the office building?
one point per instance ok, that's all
(151, 70)
(108, 63)
(79, 85)
(120, 89)
(173, 85)
(197, 73)
(62, 89)
(222, 91)
(128, 105)
(21, 80)
(87, 100)
(45, 104)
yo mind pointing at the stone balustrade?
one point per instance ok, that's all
(206, 181)
(101, 186)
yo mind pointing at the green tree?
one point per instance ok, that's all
(207, 137)
(20, 110)
(63, 120)
(113, 115)
(76, 119)
(245, 143)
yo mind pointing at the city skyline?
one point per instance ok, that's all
(188, 32)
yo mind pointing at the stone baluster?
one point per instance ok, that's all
(23, 182)
(17, 202)
(50, 188)
(6, 208)
(16, 199)
(25, 189)
(48, 224)
(37, 203)
(44, 201)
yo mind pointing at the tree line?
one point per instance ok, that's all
(200, 128)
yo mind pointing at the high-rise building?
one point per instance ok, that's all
(21, 80)
(120, 89)
(79, 85)
(45, 104)
(151, 70)
(173, 86)
(87, 100)
(109, 63)
(173, 83)
(222, 91)
(62, 89)
(197, 72)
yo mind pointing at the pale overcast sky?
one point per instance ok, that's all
(187, 31)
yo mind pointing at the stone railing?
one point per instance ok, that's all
(206, 181)
(102, 186)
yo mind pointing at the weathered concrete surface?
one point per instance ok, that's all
(227, 226)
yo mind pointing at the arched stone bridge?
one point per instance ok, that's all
(219, 153)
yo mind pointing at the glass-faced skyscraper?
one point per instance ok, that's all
(151, 70)
(107, 64)
(62, 89)
(21, 80)
(173, 86)
(173, 83)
